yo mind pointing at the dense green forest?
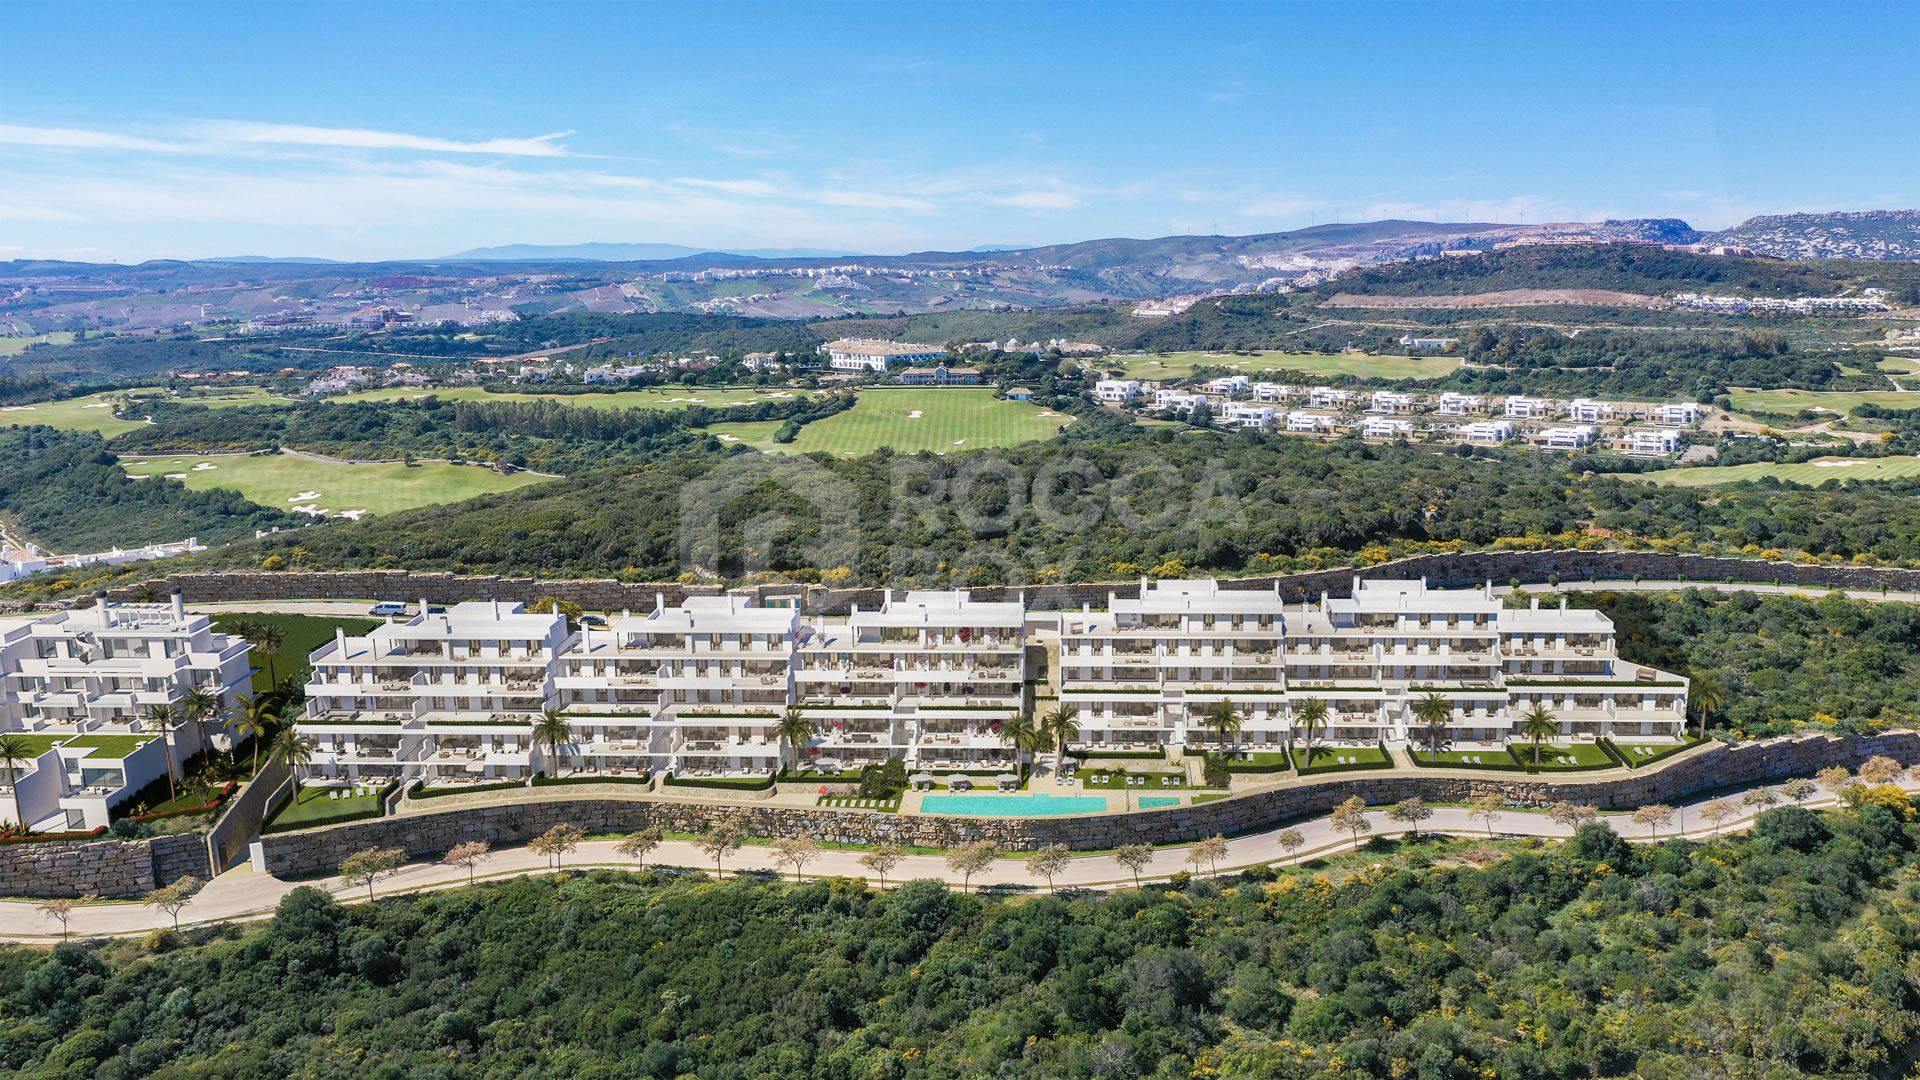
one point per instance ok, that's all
(1780, 954)
(1104, 501)
(1787, 662)
(68, 492)
(547, 435)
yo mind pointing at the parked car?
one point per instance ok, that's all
(592, 620)
(387, 608)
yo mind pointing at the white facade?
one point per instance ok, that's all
(1653, 441)
(1311, 422)
(864, 354)
(1391, 403)
(1521, 407)
(1383, 427)
(1584, 411)
(1272, 392)
(1452, 404)
(1327, 397)
(1566, 438)
(1489, 432)
(439, 696)
(1145, 673)
(81, 685)
(1176, 400)
(1229, 385)
(1242, 414)
(1681, 414)
(1116, 391)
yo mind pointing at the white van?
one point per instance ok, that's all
(387, 608)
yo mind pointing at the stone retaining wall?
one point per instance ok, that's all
(1470, 568)
(314, 851)
(104, 866)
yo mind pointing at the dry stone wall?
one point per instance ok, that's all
(107, 867)
(1470, 568)
(316, 851)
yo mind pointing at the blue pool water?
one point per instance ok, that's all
(1149, 802)
(1023, 805)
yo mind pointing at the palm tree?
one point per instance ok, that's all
(15, 751)
(1705, 696)
(201, 702)
(1059, 728)
(1020, 732)
(552, 729)
(1311, 715)
(794, 729)
(1223, 721)
(293, 751)
(268, 637)
(257, 715)
(1436, 713)
(162, 717)
(1538, 724)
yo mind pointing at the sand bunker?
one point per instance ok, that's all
(353, 515)
(729, 438)
(1836, 464)
(98, 405)
(205, 466)
(305, 496)
(309, 508)
(959, 442)
(914, 415)
(176, 476)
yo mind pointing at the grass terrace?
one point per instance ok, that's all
(14, 346)
(1835, 401)
(1116, 780)
(108, 746)
(1341, 758)
(305, 633)
(315, 808)
(37, 744)
(331, 488)
(1519, 756)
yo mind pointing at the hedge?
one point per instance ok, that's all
(550, 781)
(1633, 763)
(1122, 754)
(731, 783)
(226, 793)
(420, 790)
(40, 838)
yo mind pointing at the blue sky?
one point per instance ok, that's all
(418, 129)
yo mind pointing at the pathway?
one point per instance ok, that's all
(243, 894)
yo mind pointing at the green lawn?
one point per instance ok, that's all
(35, 745)
(1792, 401)
(305, 633)
(1577, 755)
(1180, 365)
(1103, 780)
(287, 482)
(95, 412)
(315, 808)
(1812, 473)
(109, 746)
(755, 433)
(674, 397)
(1337, 758)
(14, 346)
(912, 420)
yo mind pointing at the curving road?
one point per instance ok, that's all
(243, 894)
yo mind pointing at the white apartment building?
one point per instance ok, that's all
(695, 689)
(1116, 391)
(1566, 438)
(1486, 432)
(1144, 673)
(441, 696)
(1316, 423)
(79, 687)
(1385, 427)
(1680, 414)
(1327, 397)
(870, 354)
(1242, 414)
(1392, 403)
(1521, 407)
(929, 676)
(1585, 411)
(1452, 404)
(1653, 441)
(1230, 385)
(1273, 392)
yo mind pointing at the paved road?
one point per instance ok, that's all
(243, 894)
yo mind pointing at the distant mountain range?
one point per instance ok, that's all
(603, 252)
(1863, 234)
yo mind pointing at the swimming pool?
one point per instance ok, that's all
(1154, 802)
(1032, 804)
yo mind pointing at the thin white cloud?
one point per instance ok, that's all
(371, 139)
(82, 139)
(1037, 200)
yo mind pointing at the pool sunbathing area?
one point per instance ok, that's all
(1038, 804)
